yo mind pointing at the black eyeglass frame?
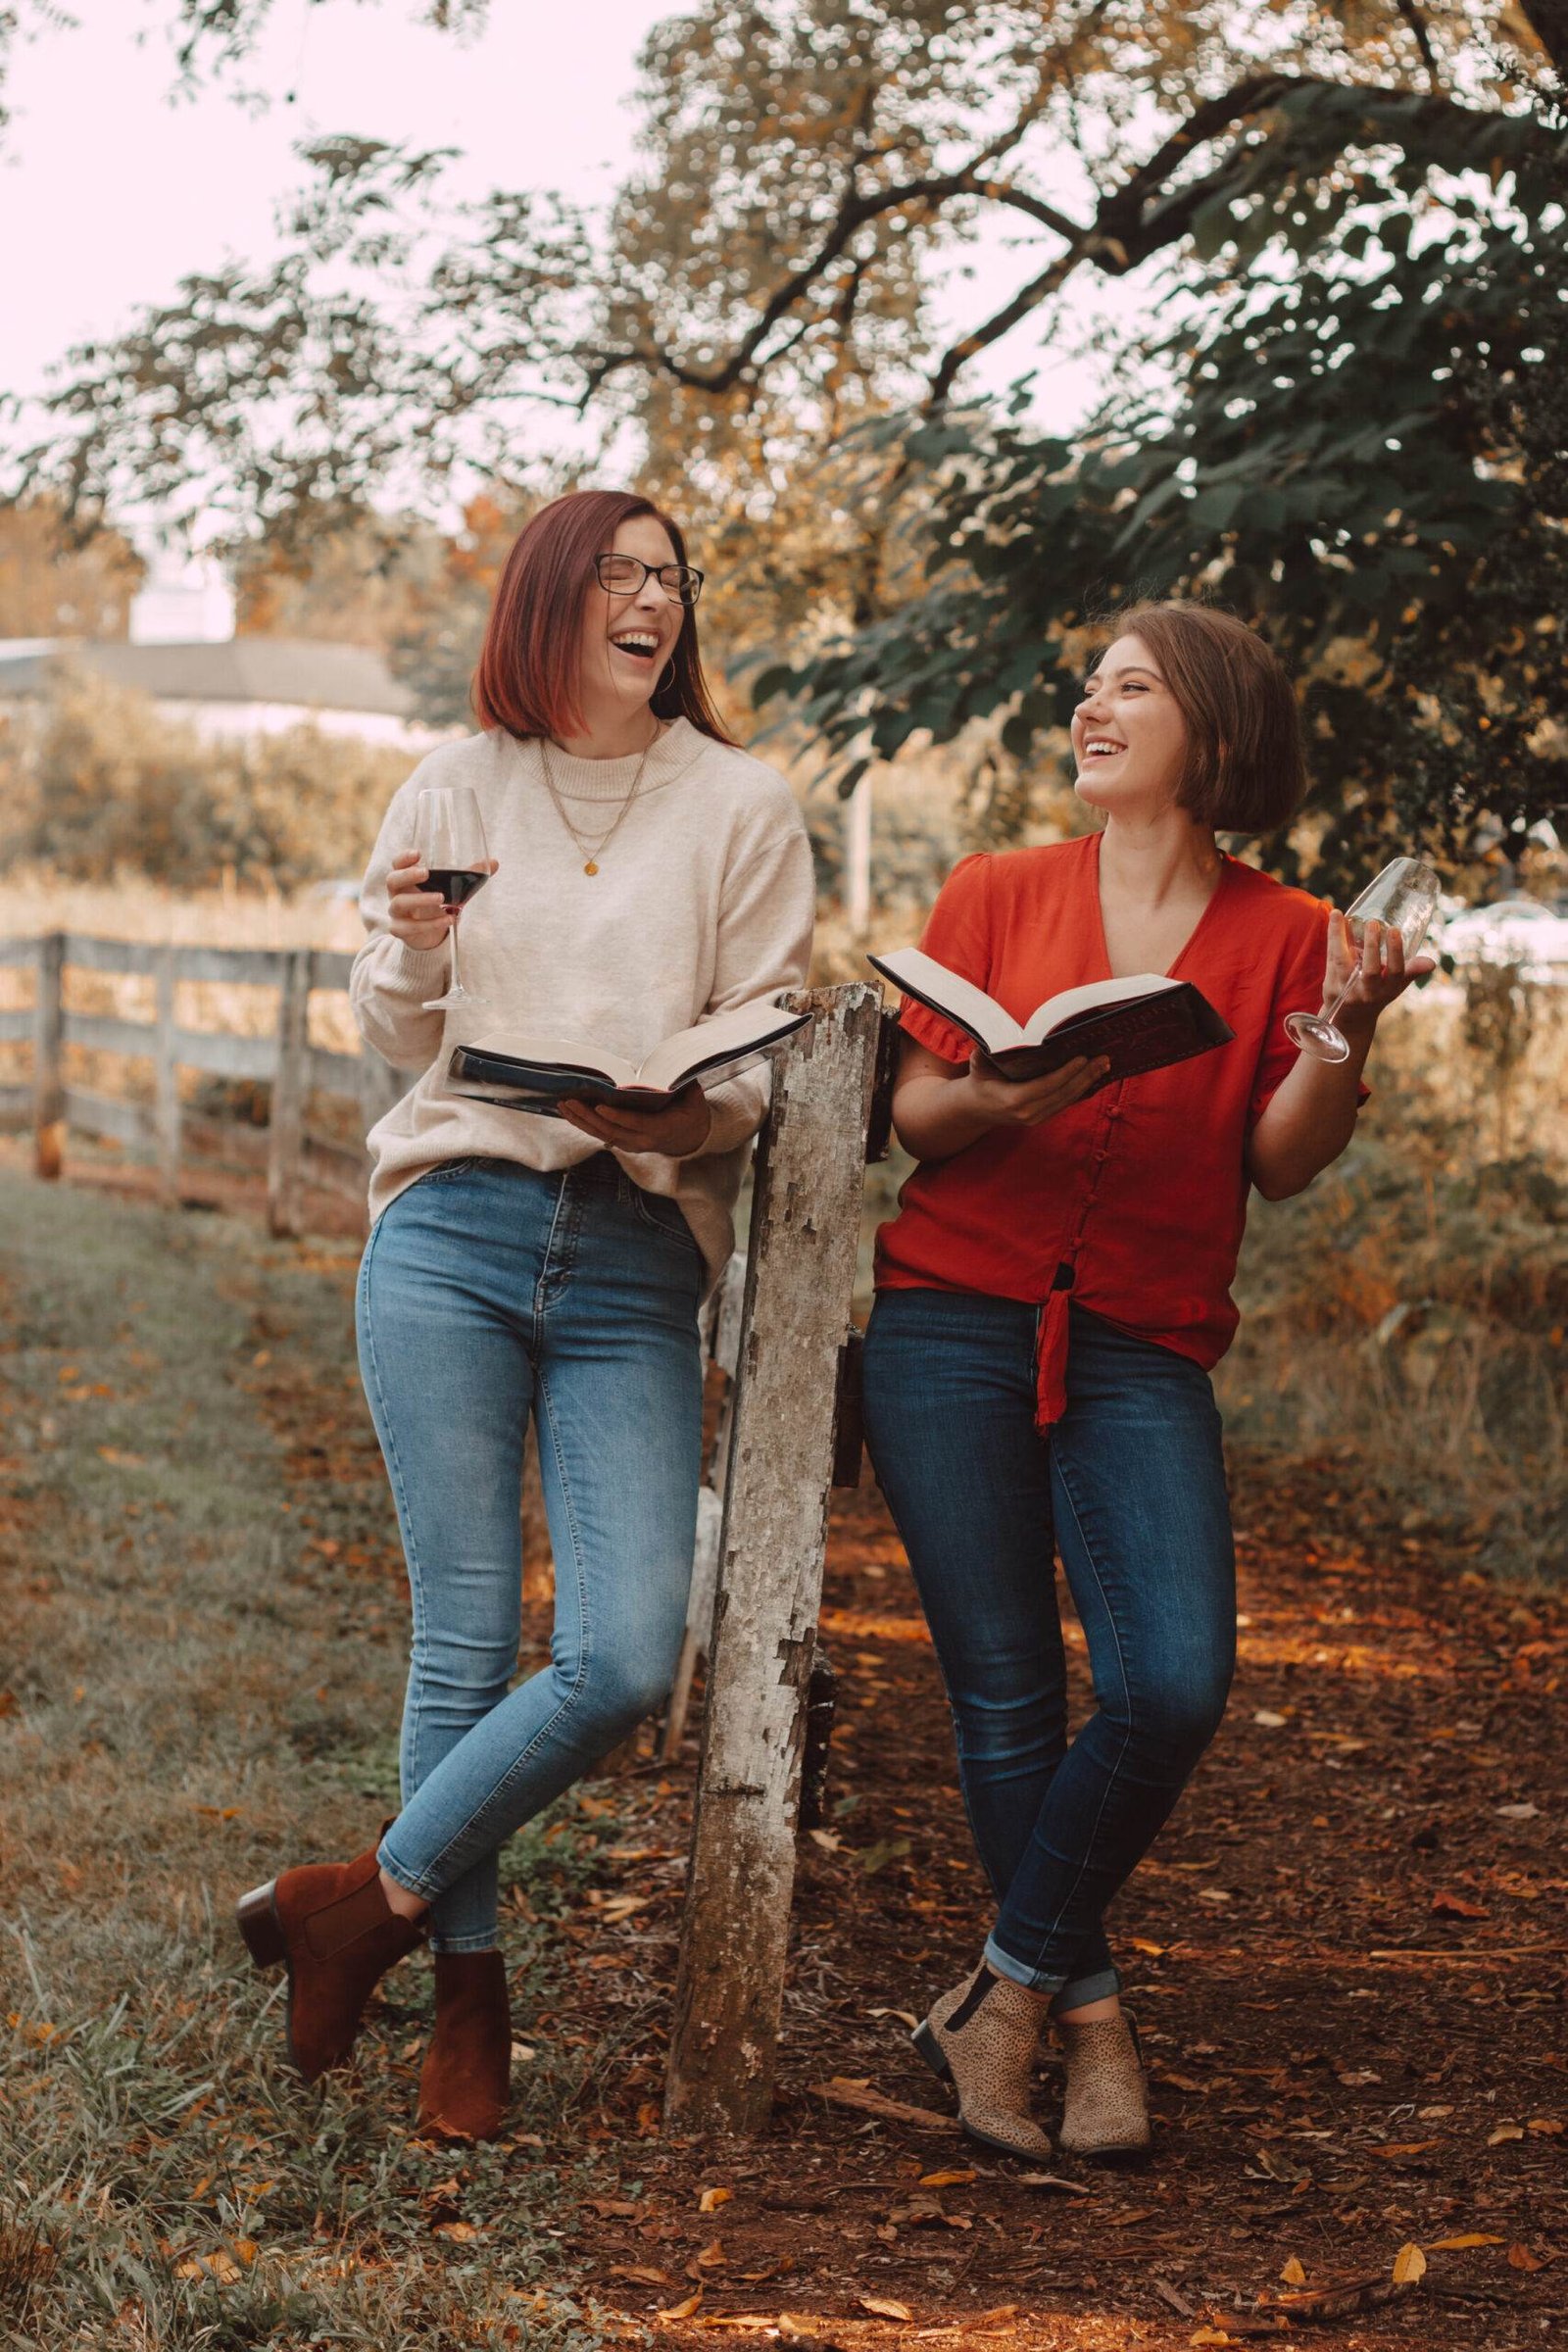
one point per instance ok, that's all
(651, 572)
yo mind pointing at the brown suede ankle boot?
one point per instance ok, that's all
(986, 2034)
(336, 1933)
(467, 2080)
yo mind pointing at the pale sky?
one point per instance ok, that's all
(111, 190)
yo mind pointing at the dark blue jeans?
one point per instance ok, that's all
(1129, 1486)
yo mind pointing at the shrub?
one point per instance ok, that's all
(99, 783)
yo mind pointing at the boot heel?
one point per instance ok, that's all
(931, 2050)
(256, 1915)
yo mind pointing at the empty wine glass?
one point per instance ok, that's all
(452, 850)
(1405, 896)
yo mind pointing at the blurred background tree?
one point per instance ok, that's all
(1342, 412)
(57, 581)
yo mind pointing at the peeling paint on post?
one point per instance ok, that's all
(798, 1286)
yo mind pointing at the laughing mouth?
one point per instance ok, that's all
(1101, 746)
(640, 644)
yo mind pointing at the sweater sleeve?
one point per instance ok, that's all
(389, 982)
(765, 945)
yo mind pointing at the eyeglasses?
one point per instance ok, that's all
(623, 575)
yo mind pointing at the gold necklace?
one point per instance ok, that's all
(591, 852)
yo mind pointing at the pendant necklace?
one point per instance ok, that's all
(592, 852)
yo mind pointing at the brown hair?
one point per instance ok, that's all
(1245, 771)
(528, 681)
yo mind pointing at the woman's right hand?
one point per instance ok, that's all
(1002, 1102)
(419, 917)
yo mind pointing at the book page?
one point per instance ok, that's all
(1092, 996)
(726, 1035)
(956, 1000)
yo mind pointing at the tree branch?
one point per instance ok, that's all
(1412, 17)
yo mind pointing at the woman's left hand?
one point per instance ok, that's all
(1374, 978)
(679, 1128)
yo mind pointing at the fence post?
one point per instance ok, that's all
(799, 1286)
(285, 1145)
(48, 1057)
(165, 1072)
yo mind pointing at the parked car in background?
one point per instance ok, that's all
(1519, 931)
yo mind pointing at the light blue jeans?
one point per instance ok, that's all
(488, 1292)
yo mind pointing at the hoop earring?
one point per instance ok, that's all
(669, 674)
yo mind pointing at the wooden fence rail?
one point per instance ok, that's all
(285, 1061)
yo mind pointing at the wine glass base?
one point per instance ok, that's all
(453, 1002)
(1318, 1037)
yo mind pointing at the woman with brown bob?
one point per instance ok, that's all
(1051, 1298)
(646, 875)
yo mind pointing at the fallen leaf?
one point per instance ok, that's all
(1520, 2258)
(1517, 1812)
(1409, 2265)
(460, 2231)
(1209, 2335)
(877, 1857)
(712, 2257)
(1494, 2140)
(1269, 1720)
(1140, 1943)
(1406, 2147)
(648, 2117)
(906, 2017)
(1215, 1894)
(828, 1839)
(122, 1461)
(884, 2308)
(1292, 2272)
(680, 2311)
(643, 2273)
(712, 2198)
(945, 2179)
(1470, 2237)
(1071, 2189)
(1457, 1906)
(1546, 2123)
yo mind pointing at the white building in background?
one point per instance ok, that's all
(241, 686)
(184, 601)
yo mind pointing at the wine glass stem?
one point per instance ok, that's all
(1333, 1014)
(456, 987)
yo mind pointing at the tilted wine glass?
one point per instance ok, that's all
(452, 850)
(1405, 896)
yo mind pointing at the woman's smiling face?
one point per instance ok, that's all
(628, 638)
(1128, 735)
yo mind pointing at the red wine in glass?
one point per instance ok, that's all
(452, 849)
(456, 884)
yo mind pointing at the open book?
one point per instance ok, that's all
(1141, 1023)
(537, 1074)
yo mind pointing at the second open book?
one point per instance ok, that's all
(539, 1073)
(1143, 1022)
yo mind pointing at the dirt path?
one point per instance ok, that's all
(1347, 1957)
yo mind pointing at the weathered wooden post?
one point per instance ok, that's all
(48, 1057)
(796, 1320)
(285, 1142)
(165, 1068)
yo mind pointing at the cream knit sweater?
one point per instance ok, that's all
(705, 900)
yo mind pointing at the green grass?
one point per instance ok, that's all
(196, 1691)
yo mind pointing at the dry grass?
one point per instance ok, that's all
(193, 1687)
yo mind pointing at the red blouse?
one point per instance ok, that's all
(1132, 1201)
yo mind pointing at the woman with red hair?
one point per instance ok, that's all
(646, 875)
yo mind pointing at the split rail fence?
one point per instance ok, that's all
(285, 1061)
(780, 1329)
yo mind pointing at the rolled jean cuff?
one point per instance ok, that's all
(415, 1881)
(1003, 1964)
(477, 1940)
(1083, 1989)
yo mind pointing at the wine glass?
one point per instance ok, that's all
(1405, 896)
(452, 850)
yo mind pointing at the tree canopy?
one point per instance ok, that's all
(1367, 453)
(1358, 218)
